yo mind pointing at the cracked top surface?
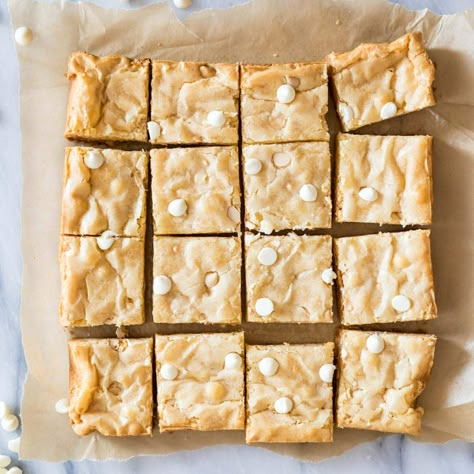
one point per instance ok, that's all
(183, 94)
(373, 269)
(397, 167)
(108, 98)
(205, 395)
(379, 391)
(112, 197)
(297, 378)
(374, 74)
(207, 179)
(266, 120)
(205, 279)
(110, 386)
(293, 282)
(101, 286)
(272, 200)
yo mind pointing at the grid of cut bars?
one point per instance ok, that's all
(236, 164)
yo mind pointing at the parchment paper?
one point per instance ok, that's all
(262, 31)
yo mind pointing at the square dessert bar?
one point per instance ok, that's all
(102, 281)
(289, 278)
(383, 179)
(200, 381)
(194, 103)
(289, 393)
(111, 386)
(195, 190)
(380, 376)
(108, 98)
(104, 191)
(284, 102)
(385, 278)
(197, 280)
(287, 186)
(378, 81)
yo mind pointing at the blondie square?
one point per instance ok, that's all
(200, 381)
(108, 98)
(375, 82)
(384, 179)
(289, 393)
(289, 278)
(194, 103)
(385, 277)
(110, 386)
(104, 191)
(195, 190)
(287, 186)
(284, 102)
(197, 280)
(102, 281)
(380, 376)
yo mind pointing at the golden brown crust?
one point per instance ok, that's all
(108, 98)
(379, 391)
(110, 386)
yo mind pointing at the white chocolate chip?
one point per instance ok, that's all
(389, 110)
(281, 159)
(375, 344)
(106, 240)
(211, 279)
(232, 361)
(347, 113)
(10, 423)
(253, 166)
(233, 214)
(368, 194)
(94, 159)
(62, 406)
(268, 366)
(283, 405)
(264, 307)
(161, 285)
(328, 276)
(266, 227)
(3, 470)
(267, 256)
(177, 207)
(23, 36)
(14, 470)
(326, 372)
(14, 444)
(286, 94)
(401, 303)
(182, 4)
(5, 460)
(216, 118)
(308, 193)
(4, 410)
(168, 372)
(154, 130)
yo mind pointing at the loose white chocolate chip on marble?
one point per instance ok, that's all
(3, 470)
(23, 36)
(211, 279)
(106, 240)
(283, 405)
(326, 372)
(328, 276)
(232, 361)
(216, 118)
(286, 94)
(346, 112)
(268, 366)
(94, 159)
(168, 372)
(375, 344)
(281, 159)
(253, 166)
(4, 410)
(182, 4)
(10, 423)
(264, 306)
(161, 285)
(154, 130)
(14, 444)
(177, 207)
(62, 406)
(389, 110)
(267, 256)
(368, 194)
(14, 470)
(308, 193)
(233, 214)
(401, 303)
(5, 460)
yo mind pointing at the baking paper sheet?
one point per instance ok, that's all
(262, 31)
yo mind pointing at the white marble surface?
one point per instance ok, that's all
(392, 455)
